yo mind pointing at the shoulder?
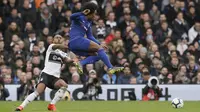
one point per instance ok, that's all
(50, 47)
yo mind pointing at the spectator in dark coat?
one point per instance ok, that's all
(171, 10)
(46, 19)
(162, 34)
(4, 93)
(180, 28)
(4, 8)
(2, 25)
(28, 14)
(190, 16)
(28, 28)
(12, 29)
(59, 11)
(14, 18)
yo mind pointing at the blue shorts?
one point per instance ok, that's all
(79, 46)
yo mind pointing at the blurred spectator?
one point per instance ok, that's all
(46, 19)
(14, 18)
(191, 15)
(12, 29)
(58, 11)
(133, 80)
(165, 77)
(109, 78)
(27, 86)
(155, 13)
(192, 69)
(75, 78)
(162, 34)
(77, 7)
(100, 30)
(125, 77)
(194, 31)
(4, 93)
(180, 27)
(196, 80)
(156, 67)
(31, 40)
(145, 78)
(111, 20)
(28, 12)
(2, 27)
(27, 29)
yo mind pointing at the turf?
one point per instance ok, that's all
(103, 106)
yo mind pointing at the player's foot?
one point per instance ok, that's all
(51, 107)
(115, 69)
(79, 67)
(20, 108)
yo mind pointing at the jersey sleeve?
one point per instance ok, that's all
(90, 36)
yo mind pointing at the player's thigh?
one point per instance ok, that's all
(43, 81)
(94, 47)
(79, 44)
(60, 83)
(84, 53)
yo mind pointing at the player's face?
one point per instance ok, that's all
(58, 39)
(91, 16)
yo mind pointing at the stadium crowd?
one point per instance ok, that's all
(148, 37)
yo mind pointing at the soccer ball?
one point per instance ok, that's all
(177, 103)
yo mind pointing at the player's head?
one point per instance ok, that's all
(89, 9)
(58, 39)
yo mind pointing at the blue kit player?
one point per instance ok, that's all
(89, 46)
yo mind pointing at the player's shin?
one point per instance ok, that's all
(59, 94)
(29, 99)
(89, 60)
(104, 58)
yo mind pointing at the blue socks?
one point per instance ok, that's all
(102, 55)
(89, 60)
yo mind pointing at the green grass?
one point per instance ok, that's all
(109, 106)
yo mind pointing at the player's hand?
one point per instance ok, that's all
(86, 11)
(104, 46)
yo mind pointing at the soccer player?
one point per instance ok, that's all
(50, 75)
(89, 47)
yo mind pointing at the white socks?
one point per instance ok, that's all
(59, 94)
(29, 99)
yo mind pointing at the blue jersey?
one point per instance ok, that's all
(80, 27)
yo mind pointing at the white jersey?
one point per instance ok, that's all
(53, 61)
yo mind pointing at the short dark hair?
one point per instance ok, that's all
(91, 6)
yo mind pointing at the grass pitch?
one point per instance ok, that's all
(103, 106)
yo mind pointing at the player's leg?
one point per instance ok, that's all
(61, 85)
(103, 56)
(40, 89)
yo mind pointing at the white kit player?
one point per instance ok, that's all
(50, 75)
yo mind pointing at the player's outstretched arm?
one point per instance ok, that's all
(91, 37)
(59, 46)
